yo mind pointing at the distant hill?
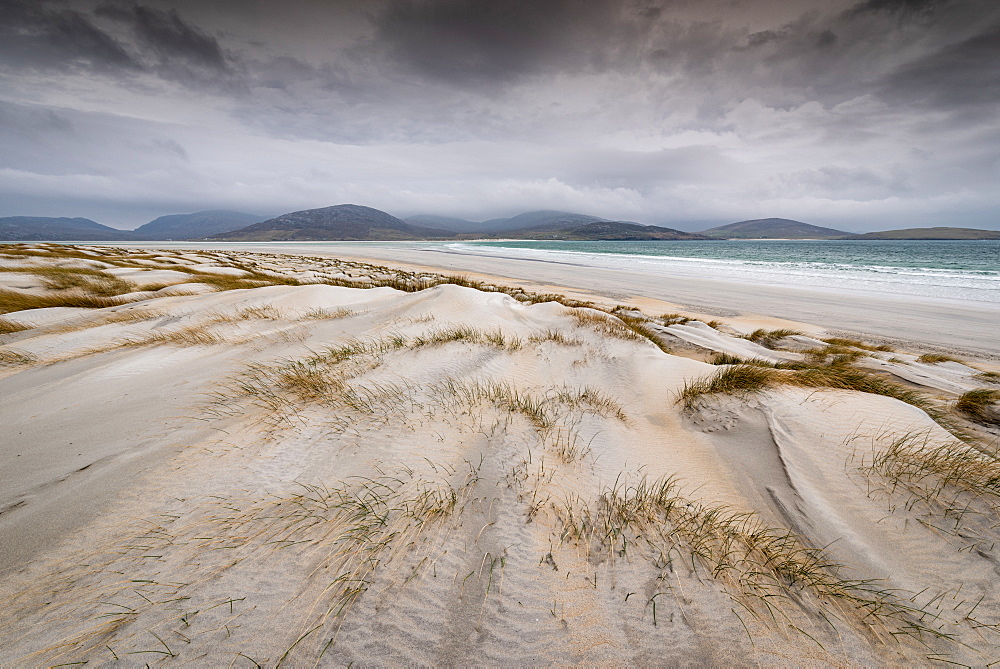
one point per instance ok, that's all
(773, 228)
(531, 220)
(444, 223)
(343, 222)
(195, 226)
(547, 219)
(604, 231)
(41, 228)
(931, 234)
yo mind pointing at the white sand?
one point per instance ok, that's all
(420, 500)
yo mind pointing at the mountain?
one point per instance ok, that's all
(41, 228)
(932, 233)
(553, 220)
(773, 228)
(604, 231)
(194, 226)
(344, 222)
(444, 223)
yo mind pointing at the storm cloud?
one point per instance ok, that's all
(856, 114)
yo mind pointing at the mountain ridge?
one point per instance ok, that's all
(195, 225)
(58, 229)
(345, 222)
(773, 228)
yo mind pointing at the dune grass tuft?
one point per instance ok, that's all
(739, 379)
(855, 343)
(764, 568)
(10, 327)
(327, 314)
(11, 301)
(555, 336)
(770, 338)
(11, 357)
(989, 377)
(978, 405)
(934, 358)
(912, 460)
(743, 379)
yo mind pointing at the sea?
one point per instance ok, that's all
(951, 270)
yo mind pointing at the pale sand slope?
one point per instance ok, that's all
(302, 474)
(968, 328)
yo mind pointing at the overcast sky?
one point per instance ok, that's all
(857, 114)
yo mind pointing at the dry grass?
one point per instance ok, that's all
(769, 571)
(10, 357)
(193, 335)
(953, 487)
(743, 379)
(10, 327)
(833, 355)
(740, 380)
(913, 461)
(327, 314)
(730, 359)
(11, 301)
(555, 336)
(979, 404)
(603, 323)
(770, 338)
(934, 358)
(854, 343)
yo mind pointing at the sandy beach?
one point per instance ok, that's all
(965, 327)
(281, 457)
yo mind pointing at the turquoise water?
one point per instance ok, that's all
(965, 270)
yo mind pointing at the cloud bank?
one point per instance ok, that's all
(859, 115)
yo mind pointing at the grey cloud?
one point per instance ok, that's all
(168, 36)
(468, 41)
(902, 8)
(35, 34)
(171, 147)
(957, 75)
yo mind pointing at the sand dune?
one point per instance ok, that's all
(303, 474)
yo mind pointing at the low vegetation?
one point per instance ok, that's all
(739, 379)
(855, 343)
(10, 327)
(935, 358)
(980, 406)
(11, 301)
(743, 379)
(770, 338)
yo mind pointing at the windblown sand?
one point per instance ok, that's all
(303, 474)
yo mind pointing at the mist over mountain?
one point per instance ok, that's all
(449, 223)
(546, 219)
(195, 226)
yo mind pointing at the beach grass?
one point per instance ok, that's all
(11, 301)
(979, 404)
(935, 358)
(770, 338)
